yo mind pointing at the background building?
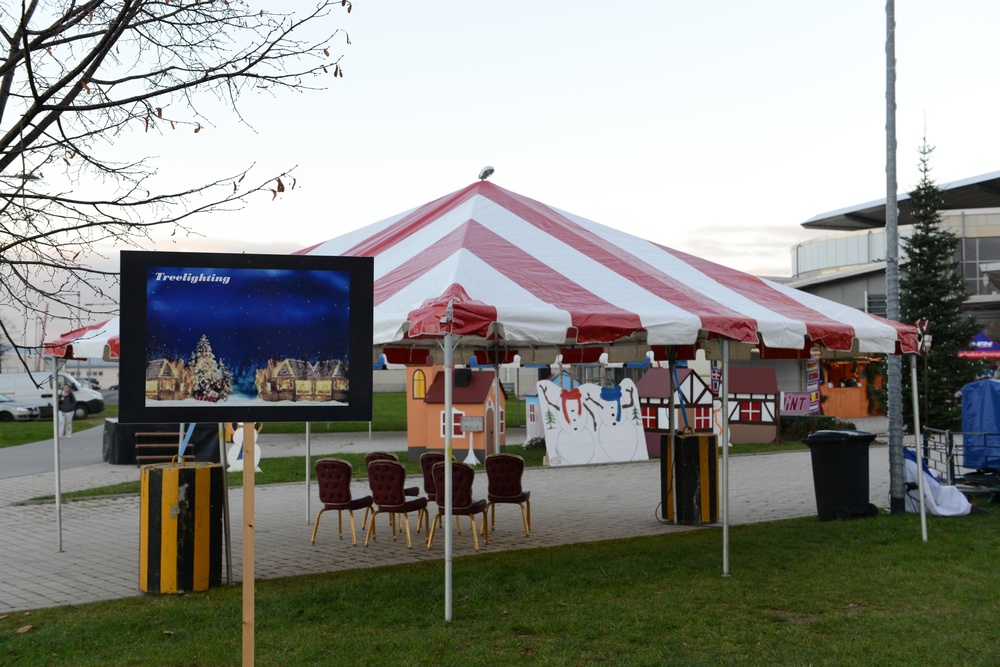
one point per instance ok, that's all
(849, 265)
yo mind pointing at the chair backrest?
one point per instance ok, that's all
(379, 456)
(427, 461)
(462, 476)
(387, 478)
(503, 473)
(334, 479)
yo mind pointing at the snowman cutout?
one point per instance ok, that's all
(235, 454)
(570, 424)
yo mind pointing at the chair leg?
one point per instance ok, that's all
(422, 518)
(486, 531)
(316, 525)
(370, 535)
(526, 516)
(364, 519)
(475, 533)
(430, 536)
(354, 537)
(393, 519)
(486, 513)
(340, 523)
(406, 520)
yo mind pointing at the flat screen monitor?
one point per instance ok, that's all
(209, 337)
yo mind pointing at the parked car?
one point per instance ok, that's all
(21, 387)
(113, 387)
(11, 410)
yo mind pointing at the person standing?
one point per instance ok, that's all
(67, 406)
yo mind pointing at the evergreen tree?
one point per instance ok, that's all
(933, 288)
(212, 380)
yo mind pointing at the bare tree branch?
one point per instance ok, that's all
(77, 76)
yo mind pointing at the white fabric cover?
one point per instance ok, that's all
(940, 500)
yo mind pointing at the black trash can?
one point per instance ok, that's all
(840, 473)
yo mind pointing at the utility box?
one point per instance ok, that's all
(180, 528)
(689, 478)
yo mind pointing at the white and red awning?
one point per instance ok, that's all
(525, 276)
(95, 341)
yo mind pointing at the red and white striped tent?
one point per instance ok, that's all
(94, 341)
(539, 281)
(524, 278)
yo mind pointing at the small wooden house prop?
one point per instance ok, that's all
(753, 405)
(167, 380)
(532, 408)
(475, 404)
(654, 400)
(298, 380)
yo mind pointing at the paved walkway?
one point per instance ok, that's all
(100, 537)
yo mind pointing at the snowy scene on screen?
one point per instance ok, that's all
(240, 336)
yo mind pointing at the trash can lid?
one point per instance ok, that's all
(838, 436)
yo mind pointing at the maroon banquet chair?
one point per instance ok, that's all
(503, 474)
(427, 461)
(387, 479)
(389, 456)
(410, 490)
(334, 479)
(462, 502)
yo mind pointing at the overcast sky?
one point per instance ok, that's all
(716, 128)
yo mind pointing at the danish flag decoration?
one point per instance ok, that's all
(522, 274)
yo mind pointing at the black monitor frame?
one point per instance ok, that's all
(205, 289)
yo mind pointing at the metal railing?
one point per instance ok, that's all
(946, 453)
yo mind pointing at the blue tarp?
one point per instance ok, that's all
(981, 425)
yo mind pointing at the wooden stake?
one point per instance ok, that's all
(249, 466)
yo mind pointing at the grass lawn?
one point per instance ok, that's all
(21, 433)
(801, 592)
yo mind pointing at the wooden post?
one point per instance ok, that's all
(249, 466)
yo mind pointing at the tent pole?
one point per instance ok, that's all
(449, 367)
(724, 390)
(919, 446)
(496, 415)
(54, 381)
(309, 464)
(226, 531)
(668, 464)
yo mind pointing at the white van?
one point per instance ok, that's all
(22, 388)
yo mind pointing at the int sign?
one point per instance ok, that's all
(472, 424)
(795, 403)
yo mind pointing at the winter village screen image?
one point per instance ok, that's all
(262, 337)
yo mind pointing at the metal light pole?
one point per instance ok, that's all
(894, 387)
